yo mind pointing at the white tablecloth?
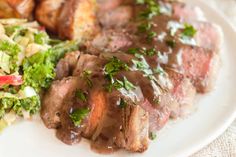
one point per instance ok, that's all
(225, 145)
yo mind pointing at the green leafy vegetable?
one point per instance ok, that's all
(12, 50)
(78, 115)
(13, 29)
(38, 74)
(29, 104)
(39, 68)
(41, 38)
(5, 62)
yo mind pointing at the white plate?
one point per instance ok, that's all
(215, 112)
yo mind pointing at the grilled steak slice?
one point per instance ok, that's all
(67, 64)
(117, 17)
(88, 62)
(80, 22)
(135, 130)
(208, 35)
(187, 12)
(98, 103)
(198, 64)
(109, 40)
(47, 12)
(107, 5)
(54, 98)
(183, 93)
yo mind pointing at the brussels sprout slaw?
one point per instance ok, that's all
(27, 60)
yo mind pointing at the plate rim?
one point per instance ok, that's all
(232, 117)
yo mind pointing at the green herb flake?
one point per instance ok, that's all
(189, 30)
(144, 27)
(152, 9)
(170, 43)
(86, 75)
(133, 50)
(151, 35)
(152, 135)
(114, 66)
(151, 52)
(118, 84)
(128, 85)
(81, 95)
(158, 70)
(122, 103)
(78, 115)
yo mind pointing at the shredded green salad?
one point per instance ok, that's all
(27, 65)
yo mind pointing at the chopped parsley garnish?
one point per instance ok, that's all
(151, 35)
(189, 31)
(144, 27)
(114, 66)
(158, 70)
(142, 65)
(142, 51)
(78, 115)
(133, 50)
(117, 84)
(157, 100)
(81, 95)
(128, 85)
(170, 43)
(152, 135)
(122, 103)
(152, 8)
(86, 75)
(111, 69)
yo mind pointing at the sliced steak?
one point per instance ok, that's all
(198, 64)
(208, 35)
(54, 98)
(106, 5)
(110, 40)
(88, 62)
(183, 93)
(187, 12)
(158, 115)
(98, 103)
(135, 130)
(66, 65)
(117, 17)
